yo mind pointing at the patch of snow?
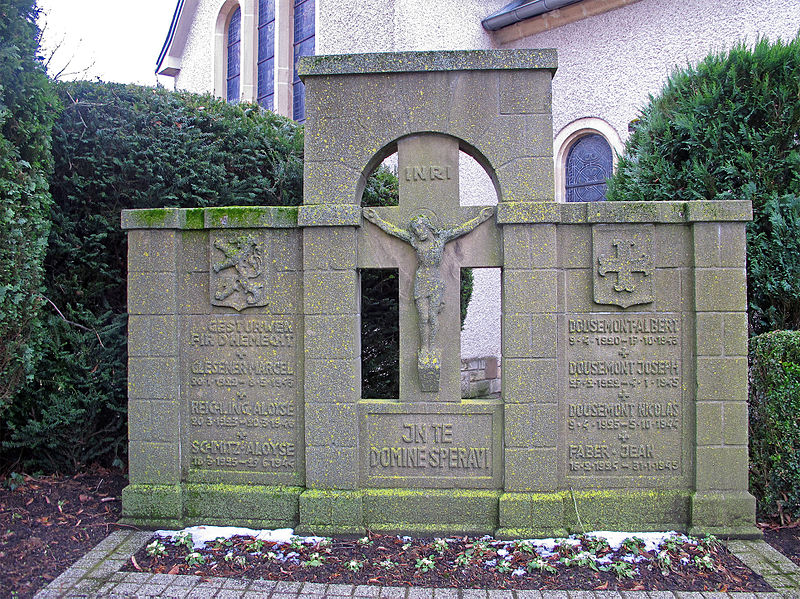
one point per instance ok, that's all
(204, 534)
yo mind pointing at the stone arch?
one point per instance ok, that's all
(387, 150)
(570, 135)
(249, 32)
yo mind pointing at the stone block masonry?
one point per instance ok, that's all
(624, 373)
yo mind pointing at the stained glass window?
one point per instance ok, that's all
(303, 46)
(266, 54)
(589, 164)
(234, 47)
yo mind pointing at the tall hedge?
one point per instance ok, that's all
(729, 129)
(115, 147)
(775, 423)
(27, 109)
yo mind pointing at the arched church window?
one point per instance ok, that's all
(234, 44)
(266, 54)
(303, 46)
(589, 164)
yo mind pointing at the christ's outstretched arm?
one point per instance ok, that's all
(468, 226)
(372, 216)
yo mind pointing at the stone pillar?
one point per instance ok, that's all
(154, 493)
(332, 303)
(530, 285)
(721, 503)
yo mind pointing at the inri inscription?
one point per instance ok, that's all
(240, 386)
(623, 403)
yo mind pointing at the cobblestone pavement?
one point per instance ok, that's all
(97, 575)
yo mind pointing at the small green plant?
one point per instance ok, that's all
(704, 562)
(325, 544)
(708, 542)
(524, 546)
(633, 544)
(540, 565)
(406, 546)
(184, 539)
(228, 557)
(221, 542)
(365, 542)
(440, 546)
(622, 569)
(503, 567)
(425, 564)
(255, 546)
(584, 559)
(314, 560)
(354, 565)
(296, 543)
(270, 556)
(672, 543)
(664, 561)
(14, 481)
(480, 547)
(195, 559)
(595, 544)
(387, 564)
(464, 559)
(156, 549)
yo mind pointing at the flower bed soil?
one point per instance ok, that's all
(48, 523)
(483, 564)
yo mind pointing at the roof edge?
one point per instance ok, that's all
(169, 59)
(519, 10)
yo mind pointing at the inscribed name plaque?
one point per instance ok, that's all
(623, 407)
(431, 445)
(240, 391)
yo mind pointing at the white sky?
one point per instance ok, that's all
(115, 40)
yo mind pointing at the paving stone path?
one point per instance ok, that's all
(97, 574)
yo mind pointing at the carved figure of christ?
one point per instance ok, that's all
(415, 237)
(428, 242)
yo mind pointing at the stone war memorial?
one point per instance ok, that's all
(624, 332)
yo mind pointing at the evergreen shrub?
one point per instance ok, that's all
(775, 423)
(729, 129)
(115, 147)
(27, 109)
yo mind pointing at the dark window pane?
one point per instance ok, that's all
(266, 11)
(303, 46)
(266, 41)
(266, 83)
(233, 47)
(589, 165)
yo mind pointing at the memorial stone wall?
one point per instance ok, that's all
(624, 332)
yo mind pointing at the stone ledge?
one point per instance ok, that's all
(329, 215)
(623, 212)
(225, 217)
(414, 62)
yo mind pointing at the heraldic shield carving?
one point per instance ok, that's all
(623, 264)
(238, 277)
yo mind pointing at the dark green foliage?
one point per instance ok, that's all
(729, 129)
(118, 147)
(27, 109)
(775, 422)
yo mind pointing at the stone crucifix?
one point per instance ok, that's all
(426, 221)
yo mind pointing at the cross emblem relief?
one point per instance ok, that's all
(429, 237)
(623, 264)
